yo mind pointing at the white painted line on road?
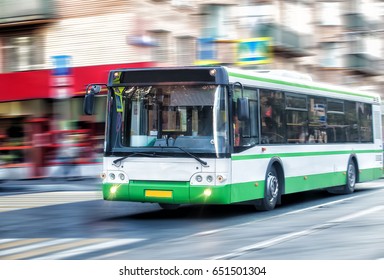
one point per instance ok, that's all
(325, 204)
(90, 248)
(32, 200)
(293, 235)
(358, 214)
(111, 255)
(35, 246)
(209, 232)
(7, 240)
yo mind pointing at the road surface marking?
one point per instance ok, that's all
(54, 246)
(32, 200)
(209, 232)
(287, 237)
(36, 244)
(54, 249)
(90, 248)
(18, 242)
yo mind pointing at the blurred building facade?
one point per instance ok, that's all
(51, 49)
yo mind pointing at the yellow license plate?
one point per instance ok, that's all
(153, 193)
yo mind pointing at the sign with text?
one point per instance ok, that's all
(61, 77)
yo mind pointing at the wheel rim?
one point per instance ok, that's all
(272, 188)
(351, 175)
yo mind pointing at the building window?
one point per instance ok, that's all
(160, 51)
(298, 17)
(330, 13)
(332, 55)
(22, 52)
(185, 51)
(373, 45)
(217, 21)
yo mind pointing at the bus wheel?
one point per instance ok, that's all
(168, 206)
(350, 183)
(271, 193)
(351, 177)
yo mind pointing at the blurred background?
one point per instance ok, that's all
(51, 49)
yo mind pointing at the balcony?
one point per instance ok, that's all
(20, 12)
(364, 64)
(285, 41)
(358, 22)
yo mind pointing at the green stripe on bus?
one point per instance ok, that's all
(184, 193)
(269, 80)
(181, 192)
(255, 189)
(304, 154)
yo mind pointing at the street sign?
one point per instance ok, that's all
(254, 51)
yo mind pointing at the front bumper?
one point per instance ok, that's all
(167, 192)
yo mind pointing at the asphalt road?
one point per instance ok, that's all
(69, 220)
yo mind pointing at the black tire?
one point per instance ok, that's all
(168, 206)
(351, 180)
(351, 177)
(271, 191)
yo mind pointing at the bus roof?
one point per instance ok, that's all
(296, 82)
(272, 79)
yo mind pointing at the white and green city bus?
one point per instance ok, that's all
(215, 135)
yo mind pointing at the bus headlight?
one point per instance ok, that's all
(117, 177)
(199, 178)
(207, 192)
(113, 189)
(121, 176)
(209, 179)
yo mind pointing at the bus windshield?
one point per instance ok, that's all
(159, 118)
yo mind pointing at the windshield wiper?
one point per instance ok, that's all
(203, 162)
(116, 161)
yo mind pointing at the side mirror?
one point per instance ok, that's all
(243, 109)
(242, 103)
(89, 99)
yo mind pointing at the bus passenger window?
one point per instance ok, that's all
(317, 120)
(272, 127)
(365, 122)
(246, 133)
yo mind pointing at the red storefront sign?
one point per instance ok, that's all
(39, 83)
(24, 85)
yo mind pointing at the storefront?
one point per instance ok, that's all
(38, 111)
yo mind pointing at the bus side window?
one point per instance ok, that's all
(246, 132)
(317, 120)
(271, 113)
